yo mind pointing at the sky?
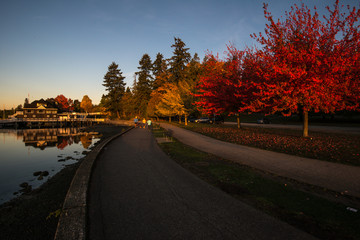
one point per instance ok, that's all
(53, 47)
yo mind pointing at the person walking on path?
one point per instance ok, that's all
(149, 124)
(143, 194)
(136, 121)
(143, 123)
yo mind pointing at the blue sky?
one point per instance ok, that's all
(52, 47)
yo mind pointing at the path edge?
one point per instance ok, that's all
(72, 220)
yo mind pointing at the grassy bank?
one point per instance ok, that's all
(35, 215)
(345, 119)
(340, 148)
(323, 214)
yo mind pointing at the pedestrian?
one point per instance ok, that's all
(143, 123)
(149, 124)
(136, 121)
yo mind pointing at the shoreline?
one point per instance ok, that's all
(35, 215)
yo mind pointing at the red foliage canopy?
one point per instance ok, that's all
(307, 64)
(65, 104)
(221, 87)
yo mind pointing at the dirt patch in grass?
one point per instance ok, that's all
(34, 215)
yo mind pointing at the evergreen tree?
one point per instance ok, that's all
(187, 86)
(159, 65)
(77, 106)
(159, 69)
(129, 104)
(192, 70)
(179, 60)
(102, 104)
(115, 86)
(143, 87)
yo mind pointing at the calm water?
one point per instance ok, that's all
(24, 152)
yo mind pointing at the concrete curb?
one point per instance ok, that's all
(72, 221)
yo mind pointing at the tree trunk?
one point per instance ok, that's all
(185, 120)
(238, 120)
(306, 124)
(169, 119)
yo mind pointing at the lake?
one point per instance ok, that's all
(29, 157)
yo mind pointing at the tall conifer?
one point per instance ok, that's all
(159, 69)
(143, 85)
(115, 86)
(179, 60)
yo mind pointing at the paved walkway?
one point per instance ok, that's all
(338, 177)
(312, 128)
(138, 192)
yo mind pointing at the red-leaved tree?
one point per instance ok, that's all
(307, 64)
(222, 88)
(64, 104)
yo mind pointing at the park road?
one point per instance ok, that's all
(138, 192)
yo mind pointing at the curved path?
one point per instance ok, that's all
(337, 177)
(312, 128)
(138, 192)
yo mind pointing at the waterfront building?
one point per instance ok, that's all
(40, 110)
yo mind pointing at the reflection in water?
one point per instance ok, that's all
(86, 140)
(59, 137)
(29, 157)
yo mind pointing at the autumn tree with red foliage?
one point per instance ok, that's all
(64, 104)
(307, 64)
(222, 88)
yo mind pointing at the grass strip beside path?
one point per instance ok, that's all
(279, 197)
(339, 148)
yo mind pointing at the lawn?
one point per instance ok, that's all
(340, 148)
(319, 212)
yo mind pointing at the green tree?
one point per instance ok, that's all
(102, 105)
(179, 60)
(143, 85)
(115, 86)
(129, 104)
(76, 105)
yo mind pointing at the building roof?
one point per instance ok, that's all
(40, 104)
